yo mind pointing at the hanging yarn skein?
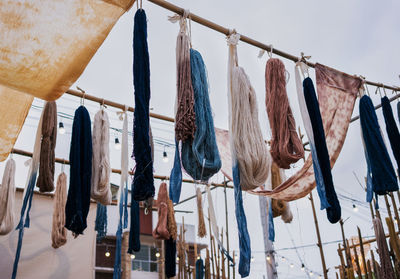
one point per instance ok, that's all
(383, 175)
(200, 157)
(334, 211)
(24, 221)
(303, 68)
(100, 225)
(7, 198)
(386, 270)
(170, 258)
(143, 182)
(199, 269)
(175, 182)
(391, 129)
(122, 197)
(58, 230)
(239, 135)
(185, 124)
(201, 227)
(171, 222)
(286, 146)
(80, 157)
(101, 170)
(161, 230)
(45, 180)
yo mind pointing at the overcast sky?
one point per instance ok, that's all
(357, 37)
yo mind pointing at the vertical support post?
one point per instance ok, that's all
(227, 227)
(163, 259)
(362, 249)
(234, 264)
(396, 212)
(321, 250)
(211, 246)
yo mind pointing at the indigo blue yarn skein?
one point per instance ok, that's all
(143, 182)
(391, 129)
(80, 157)
(101, 221)
(175, 180)
(203, 150)
(384, 178)
(334, 210)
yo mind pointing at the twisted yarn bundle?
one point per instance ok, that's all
(45, 180)
(161, 229)
(171, 222)
(58, 231)
(185, 124)
(286, 146)
(80, 157)
(200, 157)
(7, 198)
(101, 170)
(391, 129)
(384, 178)
(143, 182)
(386, 270)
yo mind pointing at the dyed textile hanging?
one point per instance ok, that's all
(279, 208)
(170, 258)
(134, 231)
(143, 181)
(244, 238)
(58, 231)
(24, 221)
(80, 157)
(200, 157)
(171, 222)
(185, 124)
(161, 229)
(47, 156)
(175, 182)
(383, 175)
(101, 221)
(286, 146)
(7, 198)
(303, 68)
(337, 93)
(101, 169)
(29, 66)
(122, 198)
(199, 269)
(334, 210)
(391, 129)
(386, 269)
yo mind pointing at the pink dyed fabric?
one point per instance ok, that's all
(337, 93)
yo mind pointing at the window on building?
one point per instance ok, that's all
(145, 259)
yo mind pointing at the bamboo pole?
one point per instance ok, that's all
(377, 212)
(342, 263)
(396, 212)
(374, 265)
(217, 258)
(195, 259)
(360, 240)
(321, 251)
(359, 273)
(211, 246)
(227, 229)
(163, 259)
(348, 256)
(222, 256)
(118, 171)
(234, 264)
(388, 207)
(369, 270)
(244, 38)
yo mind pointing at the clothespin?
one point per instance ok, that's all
(384, 91)
(378, 89)
(83, 96)
(304, 58)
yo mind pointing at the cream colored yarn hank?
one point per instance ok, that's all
(101, 170)
(201, 230)
(251, 151)
(7, 198)
(58, 231)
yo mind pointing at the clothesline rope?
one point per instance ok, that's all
(226, 31)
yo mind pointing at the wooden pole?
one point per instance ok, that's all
(369, 270)
(321, 251)
(374, 265)
(195, 259)
(348, 256)
(227, 228)
(163, 259)
(342, 263)
(243, 38)
(377, 212)
(211, 246)
(217, 257)
(360, 240)
(359, 273)
(396, 212)
(222, 256)
(234, 264)
(388, 207)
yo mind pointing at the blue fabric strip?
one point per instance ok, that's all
(175, 182)
(271, 227)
